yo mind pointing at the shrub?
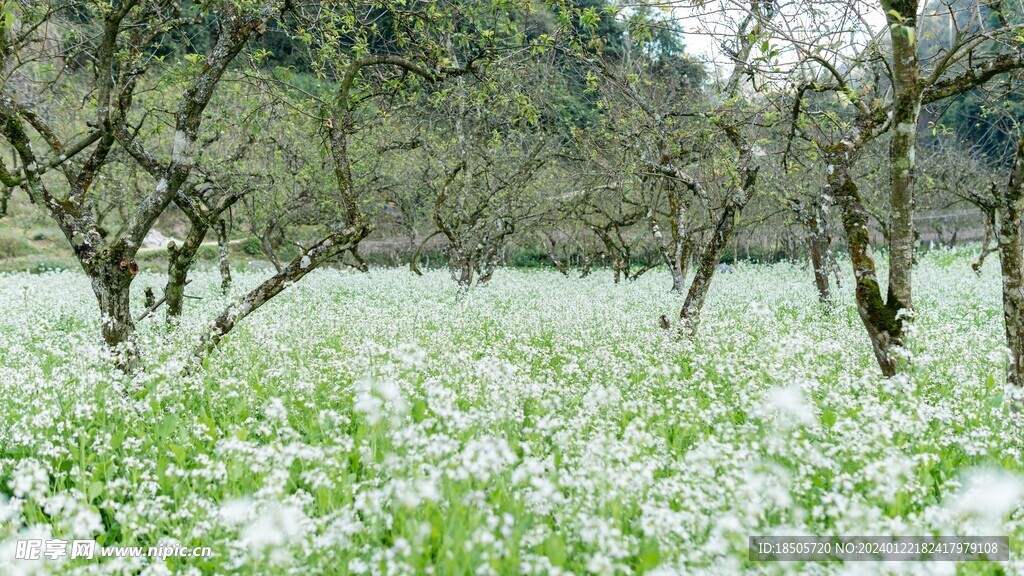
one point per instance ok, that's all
(14, 245)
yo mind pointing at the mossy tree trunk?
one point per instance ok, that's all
(908, 91)
(1003, 208)
(202, 214)
(881, 317)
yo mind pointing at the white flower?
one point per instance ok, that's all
(790, 402)
(30, 480)
(989, 495)
(277, 526)
(275, 411)
(235, 511)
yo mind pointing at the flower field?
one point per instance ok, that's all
(379, 424)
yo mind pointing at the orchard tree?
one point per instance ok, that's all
(878, 85)
(73, 137)
(369, 52)
(484, 177)
(1003, 206)
(687, 145)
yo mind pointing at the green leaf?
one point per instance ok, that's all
(179, 453)
(95, 489)
(828, 418)
(554, 549)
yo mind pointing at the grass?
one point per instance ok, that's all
(376, 423)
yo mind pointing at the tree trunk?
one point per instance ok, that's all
(1010, 261)
(267, 246)
(712, 254)
(550, 246)
(466, 273)
(360, 263)
(902, 19)
(302, 264)
(414, 261)
(678, 276)
(818, 247)
(222, 253)
(880, 317)
(111, 282)
(986, 248)
(179, 262)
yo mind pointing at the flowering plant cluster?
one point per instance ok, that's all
(381, 424)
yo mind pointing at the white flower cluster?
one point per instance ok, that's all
(378, 424)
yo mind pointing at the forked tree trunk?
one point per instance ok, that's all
(550, 246)
(677, 259)
(179, 262)
(880, 317)
(818, 247)
(676, 252)
(689, 316)
(267, 246)
(414, 262)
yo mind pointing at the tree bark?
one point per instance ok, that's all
(689, 316)
(179, 262)
(222, 254)
(1012, 266)
(907, 84)
(110, 283)
(1011, 261)
(303, 264)
(986, 247)
(818, 246)
(881, 317)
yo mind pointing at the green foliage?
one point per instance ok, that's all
(252, 246)
(14, 244)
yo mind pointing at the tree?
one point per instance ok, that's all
(666, 128)
(123, 37)
(484, 175)
(1003, 206)
(419, 45)
(860, 112)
